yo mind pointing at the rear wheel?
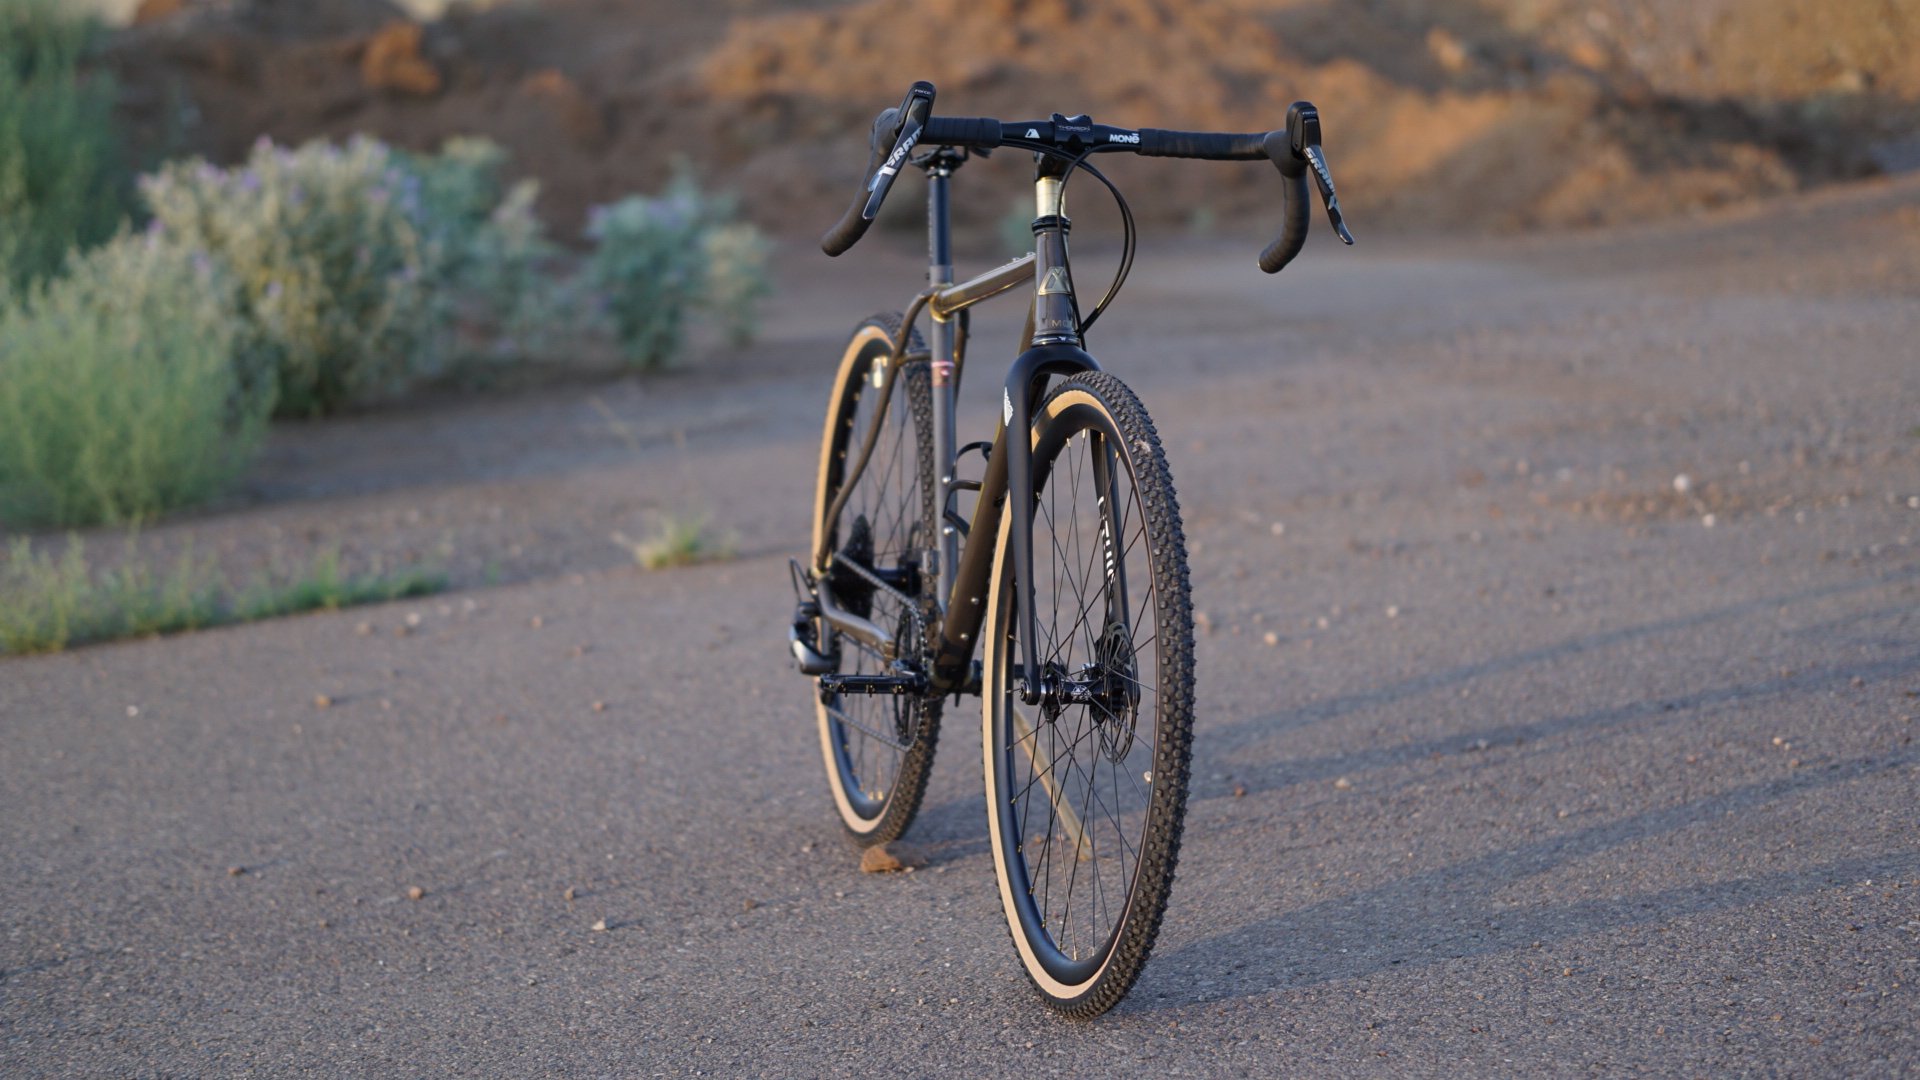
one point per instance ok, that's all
(1086, 791)
(878, 749)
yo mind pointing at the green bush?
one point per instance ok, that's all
(656, 261)
(492, 252)
(61, 182)
(333, 257)
(737, 282)
(48, 603)
(119, 395)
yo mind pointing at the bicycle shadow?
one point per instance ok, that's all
(1255, 777)
(1449, 913)
(1235, 735)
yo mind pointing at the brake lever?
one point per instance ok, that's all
(1303, 132)
(913, 120)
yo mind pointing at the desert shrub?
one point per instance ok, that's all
(48, 601)
(333, 259)
(736, 278)
(61, 184)
(492, 251)
(119, 395)
(659, 260)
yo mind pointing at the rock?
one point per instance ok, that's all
(236, 871)
(568, 895)
(392, 61)
(889, 858)
(322, 701)
(415, 892)
(153, 11)
(599, 927)
(1589, 54)
(1343, 783)
(576, 113)
(1448, 51)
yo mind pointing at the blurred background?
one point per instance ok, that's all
(255, 212)
(1441, 114)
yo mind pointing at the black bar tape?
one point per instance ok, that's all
(852, 226)
(1293, 234)
(976, 131)
(1206, 145)
(1293, 201)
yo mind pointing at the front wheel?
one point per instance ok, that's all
(1086, 790)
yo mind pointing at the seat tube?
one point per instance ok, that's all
(939, 273)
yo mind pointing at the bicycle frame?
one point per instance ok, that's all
(1051, 347)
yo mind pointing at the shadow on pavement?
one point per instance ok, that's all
(1448, 913)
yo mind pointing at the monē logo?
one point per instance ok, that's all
(1123, 136)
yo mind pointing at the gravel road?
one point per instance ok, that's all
(1559, 678)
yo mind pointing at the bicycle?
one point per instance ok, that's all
(1071, 566)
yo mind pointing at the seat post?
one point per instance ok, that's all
(940, 273)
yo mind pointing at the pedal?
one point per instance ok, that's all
(896, 685)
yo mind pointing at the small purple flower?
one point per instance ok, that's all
(273, 290)
(250, 181)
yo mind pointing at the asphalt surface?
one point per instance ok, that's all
(1512, 757)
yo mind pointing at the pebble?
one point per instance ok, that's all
(599, 926)
(322, 701)
(1708, 521)
(1239, 791)
(1343, 783)
(413, 618)
(415, 892)
(1278, 529)
(536, 622)
(364, 629)
(888, 858)
(1271, 638)
(568, 895)
(599, 706)
(1683, 483)
(133, 710)
(236, 871)
(1393, 611)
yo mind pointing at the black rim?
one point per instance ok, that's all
(1078, 793)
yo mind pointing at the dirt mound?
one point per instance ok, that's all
(1453, 113)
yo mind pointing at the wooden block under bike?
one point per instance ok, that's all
(1071, 566)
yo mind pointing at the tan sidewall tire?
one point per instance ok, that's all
(990, 704)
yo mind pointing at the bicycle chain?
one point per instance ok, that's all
(917, 615)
